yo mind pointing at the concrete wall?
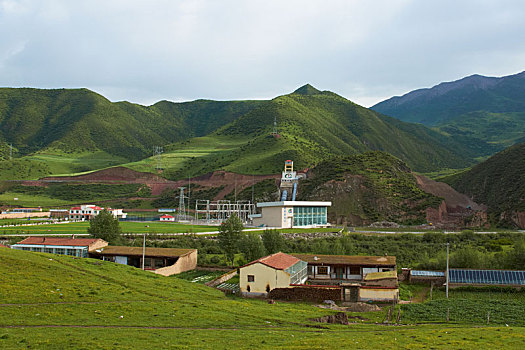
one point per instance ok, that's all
(223, 278)
(38, 214)
(306, 293)
(378, 294)
(184, 263)
(97, 245)
(264, 276)
(271, 217)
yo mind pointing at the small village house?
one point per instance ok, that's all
(86, 212)
(361, 278)
(163, 261)
(80, 247)
(167, 218)
(278, 270)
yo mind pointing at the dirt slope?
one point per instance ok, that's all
(453, 198)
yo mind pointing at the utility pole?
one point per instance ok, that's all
(143, 251)
(446, 276)
(253, 190)
(11, 152)
(189, 199)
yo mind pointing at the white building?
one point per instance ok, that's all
(288, 214)
(86, 212)
(167, 218)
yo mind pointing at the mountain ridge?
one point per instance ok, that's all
(408, 107)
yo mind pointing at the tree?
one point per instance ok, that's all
(252, 247)
(230, 236)
(273, 241)
(105, 226)
(468, 258)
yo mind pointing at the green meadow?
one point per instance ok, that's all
(147, 227)
(56, 302)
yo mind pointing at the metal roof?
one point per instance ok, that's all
(427, 273)
(294, 204)
(494, 277)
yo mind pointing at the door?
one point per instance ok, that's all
(339, 273)
(350, 294)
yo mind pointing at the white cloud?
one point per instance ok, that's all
(145, 51)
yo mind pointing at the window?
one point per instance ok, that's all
(251, 278)
(322, 270)
(355, 270)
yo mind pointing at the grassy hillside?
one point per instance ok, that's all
(52, 301)
(499, 130)
(369, 187)
(497, 182)
(486, 111)
(312, 126)
(94, 132)
(73, 131)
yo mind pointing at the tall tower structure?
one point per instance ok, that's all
(288, 182)
(157, 154)
(182, 208)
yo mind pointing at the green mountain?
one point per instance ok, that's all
(475, 108)
(79, 120)
(373, 186)
(498, 183)
(312, 126)
(71, 131)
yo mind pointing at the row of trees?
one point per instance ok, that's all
(232, 240)
(468, 249)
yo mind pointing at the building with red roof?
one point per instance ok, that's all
(278, 270)
(60, 245)
(86, 212)
(167, 217)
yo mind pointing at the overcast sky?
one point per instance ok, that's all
(146, 51)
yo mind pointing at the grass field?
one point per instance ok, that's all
(178, 154)
(31, 200)
(470, 305)
(127, 227)
(56, 302)
(68, 164)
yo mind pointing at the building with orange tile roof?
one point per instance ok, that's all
(278, 270)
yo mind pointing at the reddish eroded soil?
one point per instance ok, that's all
(453, 198)
(159, 184)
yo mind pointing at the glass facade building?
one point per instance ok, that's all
(308, 216)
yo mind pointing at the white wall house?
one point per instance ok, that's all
(86, 212)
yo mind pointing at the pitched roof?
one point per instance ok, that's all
(76, 242)
(317, 259)
(3, 246)
(137, 251)
(167, 216)
(279, 261)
